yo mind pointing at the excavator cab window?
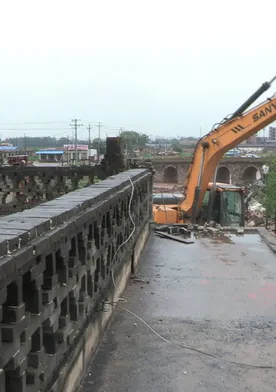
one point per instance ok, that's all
(211, 206)
(204, 205)
(224, 207)
(232, 208)
(216, 211)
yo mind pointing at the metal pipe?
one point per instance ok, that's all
(201, 167)
(264, 87)
(198, 188)
(212, 197)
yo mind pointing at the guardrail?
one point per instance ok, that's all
(58, 264)
(25, 187)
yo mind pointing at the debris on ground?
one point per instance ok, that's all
(136, 279)
(256, 207)
(174, 237)
(255, 214)
(186, 233)
(255, 221)
(212, 230)
(177, 232)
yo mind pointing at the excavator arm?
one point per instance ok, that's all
(215, 144)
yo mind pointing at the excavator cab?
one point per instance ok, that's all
(222, 203)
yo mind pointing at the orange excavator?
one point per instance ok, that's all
(203, 198)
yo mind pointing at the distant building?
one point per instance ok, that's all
(252, 139)
(8, 150)
(67, 154)
(272, 134)
(93, 154)
(261, 139)
(50, 155)
(188, 141)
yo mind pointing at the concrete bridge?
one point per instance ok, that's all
(231, 170)
(63, 266)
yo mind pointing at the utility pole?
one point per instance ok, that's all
(89, 135)
(25, 144)
(89, 143)
(76, 124)
(99, 125)
(68, 142)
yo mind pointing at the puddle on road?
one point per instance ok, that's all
(248, 239)
(219, 238)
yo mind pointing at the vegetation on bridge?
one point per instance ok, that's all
(270, 189)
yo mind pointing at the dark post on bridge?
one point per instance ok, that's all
(113, 161)
(63, 267)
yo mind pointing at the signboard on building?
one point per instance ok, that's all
(71, 147)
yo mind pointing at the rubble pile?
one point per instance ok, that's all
(176, 232)
(186, 233)
(255, 214)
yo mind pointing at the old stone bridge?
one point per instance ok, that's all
(231, 170)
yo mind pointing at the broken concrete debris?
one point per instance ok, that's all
(174, 229)
(183, 232)
(255, 214)
(212, 230)
(176, 232)
(174, 237)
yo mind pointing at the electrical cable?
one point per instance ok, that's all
(195, 349)
(33, 129)
(131, 234)
(33, 123)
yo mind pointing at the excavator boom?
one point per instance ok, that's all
(215, 144)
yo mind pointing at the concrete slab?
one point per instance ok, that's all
(217, 296)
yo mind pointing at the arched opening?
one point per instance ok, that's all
(170, 175)
(223, 175)
(250, 174)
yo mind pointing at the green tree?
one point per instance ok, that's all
(133, 139)
(99, 143)
(41, 142)
(270, 189)
(177, 147)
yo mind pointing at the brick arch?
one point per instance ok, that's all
(250, 174)
(170, 175)
(223, 175)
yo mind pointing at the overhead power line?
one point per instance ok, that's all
(33, 129)
(32, 123)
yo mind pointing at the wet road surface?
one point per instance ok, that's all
(217, 296)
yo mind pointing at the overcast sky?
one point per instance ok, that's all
(158, 67)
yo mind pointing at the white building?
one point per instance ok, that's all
(70, 152)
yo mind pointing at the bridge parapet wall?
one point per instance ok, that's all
(25, 187)
(63, 265)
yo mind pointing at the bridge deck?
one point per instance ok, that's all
(217, 296)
